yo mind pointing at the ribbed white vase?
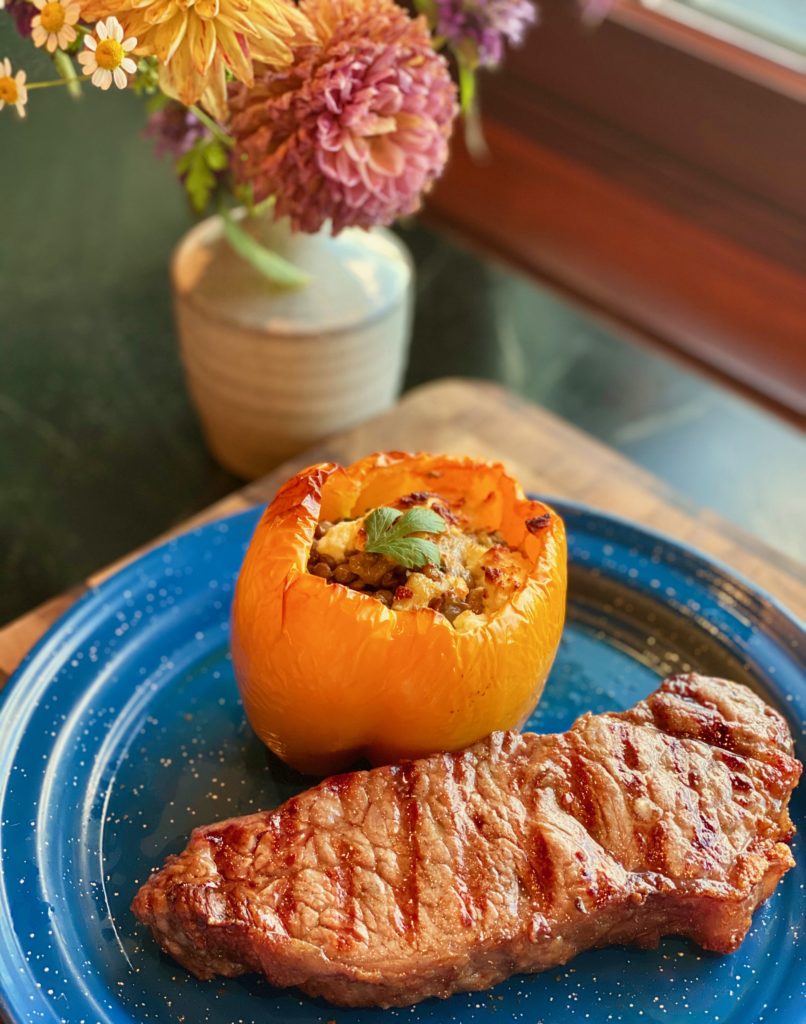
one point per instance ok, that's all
(271, 370)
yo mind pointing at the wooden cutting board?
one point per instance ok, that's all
(544, 452)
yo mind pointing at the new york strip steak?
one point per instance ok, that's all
(453, 872)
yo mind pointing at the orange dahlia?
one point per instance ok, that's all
(196, 42)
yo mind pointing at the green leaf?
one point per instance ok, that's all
(156, 101)
(216, 156)
(420, 520)
(146, 82)
(412, 552)
(198, 169)
(278, 270)
(390, 533)
(429, 9)
(378, 524)
(199, 180)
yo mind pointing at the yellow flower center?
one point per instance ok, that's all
(8, 89)
(109, 54)
(52, 17)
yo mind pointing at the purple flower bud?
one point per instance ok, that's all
(174, 130)
(23, 13)
(484, 25)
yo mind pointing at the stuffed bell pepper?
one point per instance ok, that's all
(396, 607)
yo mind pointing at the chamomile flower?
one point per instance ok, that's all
(198, 43)
(53, 26)
(12, 87)
(106, 57)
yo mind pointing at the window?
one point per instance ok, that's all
(657, 170)
(774, 29)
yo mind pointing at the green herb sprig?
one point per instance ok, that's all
(390, 533)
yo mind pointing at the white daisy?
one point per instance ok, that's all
(106, 57)
(53, 26)
(12, 87)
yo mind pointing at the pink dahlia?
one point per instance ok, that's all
(357, 128)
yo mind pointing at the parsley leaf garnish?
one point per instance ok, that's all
(390, 533)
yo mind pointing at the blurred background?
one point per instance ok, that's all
(630, 254)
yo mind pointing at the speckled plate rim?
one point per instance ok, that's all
(680, 553)
(25, 687)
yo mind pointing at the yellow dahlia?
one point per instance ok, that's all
(195, 42)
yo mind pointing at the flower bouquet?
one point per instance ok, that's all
(338, 112)
(323, 120)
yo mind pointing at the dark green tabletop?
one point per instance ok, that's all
(99, 447)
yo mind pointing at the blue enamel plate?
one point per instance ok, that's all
(123, 730)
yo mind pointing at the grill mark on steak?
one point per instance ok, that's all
(676, 750)
(539, 875)
(283, 829)
(741, 783)
(582, 790)
(703, 722)
(286, 904)
(629, 771)
(716, 733)
(343, 879)
(467, 889)
(705, 832)
(630, 751)
(734, 761)
(656, 847)
(342, 875)
(597, 886)
(407, 896)
(450, 873)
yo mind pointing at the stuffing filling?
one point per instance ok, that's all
(477, 575)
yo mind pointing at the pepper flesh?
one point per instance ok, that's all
(329, 675)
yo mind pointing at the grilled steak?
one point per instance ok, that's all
(453, 872)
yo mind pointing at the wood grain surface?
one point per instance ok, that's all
(545, 453)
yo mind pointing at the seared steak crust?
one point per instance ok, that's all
(453, 872)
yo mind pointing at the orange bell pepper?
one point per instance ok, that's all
(329, 675)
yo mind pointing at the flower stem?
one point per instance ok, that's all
(474, 131)
(213, 126)
(275, 268)
(67, 69)
(46, 85)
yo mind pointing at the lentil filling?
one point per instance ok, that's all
(478, 573)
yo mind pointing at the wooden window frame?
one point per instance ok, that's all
(660, 174)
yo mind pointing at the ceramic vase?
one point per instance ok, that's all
(271, 370)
